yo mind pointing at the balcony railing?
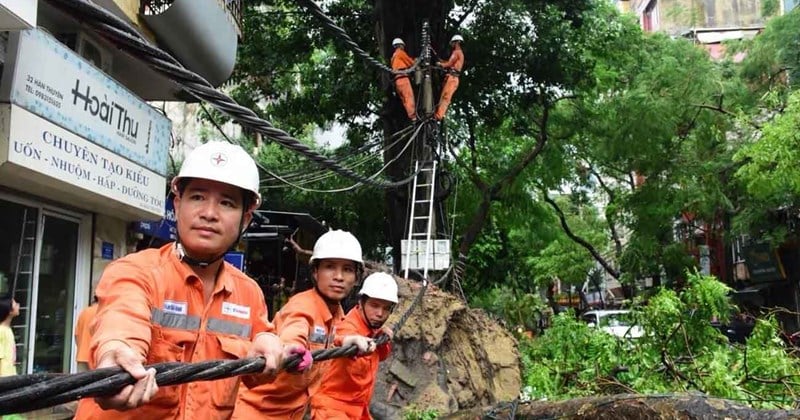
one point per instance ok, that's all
(156, 7)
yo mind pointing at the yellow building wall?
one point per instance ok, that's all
(131, 10)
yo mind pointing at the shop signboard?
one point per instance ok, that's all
(50, 150)
(166, 228)
(762, 262)
(48, 79)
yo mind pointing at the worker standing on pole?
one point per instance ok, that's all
(183, 303)
(402, 82)
(347, 384)
(309, 319)
(453, 67)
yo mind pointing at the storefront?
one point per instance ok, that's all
(80, 158)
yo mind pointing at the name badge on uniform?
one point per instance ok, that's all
(238, 311)
(175, 307)
(318, 335)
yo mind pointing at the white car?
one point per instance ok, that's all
(618, 323)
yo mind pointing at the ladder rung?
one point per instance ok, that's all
(422, 201)
(419, 234)
(423, 185)
(30, 238)
(420, 217)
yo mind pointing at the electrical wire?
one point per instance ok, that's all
(358, 184)
(260, 166)
(303, 178)
(125, 36)
(341, 34)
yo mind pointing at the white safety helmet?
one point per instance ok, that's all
(397, 41)
(380, 286)
(456, 37)
(337, 244)
(222, 162)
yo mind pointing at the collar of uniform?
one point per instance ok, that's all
(323, 307)
(224, 281)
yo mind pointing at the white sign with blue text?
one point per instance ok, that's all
(53, 151)
(55, 83)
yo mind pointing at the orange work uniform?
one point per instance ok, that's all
(347, 385)
(402, 82)
(454, 64)
(154, 302)
(307, 321)
(83, 334)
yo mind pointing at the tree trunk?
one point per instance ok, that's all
(628, 406)
(403, 19)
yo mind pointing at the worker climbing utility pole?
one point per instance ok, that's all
(402, 82)
(453, 68)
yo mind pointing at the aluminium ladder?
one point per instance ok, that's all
(421, 217)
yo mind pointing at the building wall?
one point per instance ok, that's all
(108, 230)
(131, 10)
(678, 16)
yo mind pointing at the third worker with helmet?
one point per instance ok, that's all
(347, 385)
(309, 319)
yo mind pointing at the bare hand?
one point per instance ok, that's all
(388, 332)
(116, 353)
(365, 345)
(268, 346)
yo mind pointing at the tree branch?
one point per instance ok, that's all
(577, 239)
(609, 220)
(720, 109)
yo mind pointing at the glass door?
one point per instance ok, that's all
(17, 262)
(55, 293)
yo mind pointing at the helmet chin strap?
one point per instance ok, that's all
(194, 262)
(371, 324)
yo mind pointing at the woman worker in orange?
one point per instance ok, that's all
(309, 319)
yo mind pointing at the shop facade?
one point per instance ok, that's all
(81, 157)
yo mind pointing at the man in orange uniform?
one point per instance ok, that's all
(309, 319)
(402, 82)
(347, 385)
(453, 67)
(83, 335)
(182, 303)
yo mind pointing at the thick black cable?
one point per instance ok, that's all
(127, 38)
(342, 35)
(36, 391)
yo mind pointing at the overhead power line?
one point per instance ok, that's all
(125, 36)
(304, 177)
(341, 34)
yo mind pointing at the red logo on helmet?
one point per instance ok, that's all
(219, 159)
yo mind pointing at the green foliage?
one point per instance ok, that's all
(517, 309)
(770, 172)
(680, 351)
(415, 413)
(770, 7)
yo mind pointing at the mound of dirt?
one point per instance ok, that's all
(447, 357)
